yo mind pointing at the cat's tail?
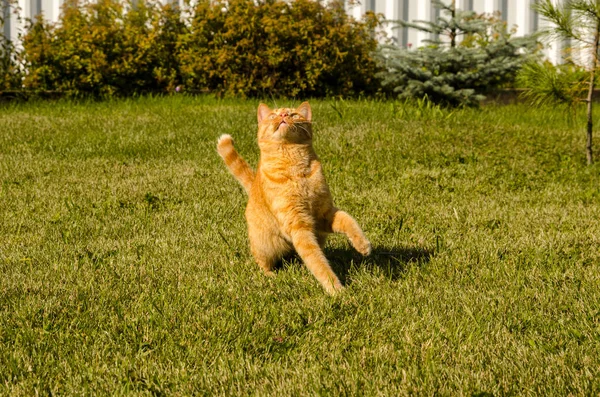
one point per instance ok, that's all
(236, 164)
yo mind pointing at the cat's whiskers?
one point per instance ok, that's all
(300, 126)
(274, 101)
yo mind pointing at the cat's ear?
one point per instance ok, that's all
(263, 112)
(304, 111)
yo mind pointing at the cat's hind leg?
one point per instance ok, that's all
(341, 222)
(267, 244)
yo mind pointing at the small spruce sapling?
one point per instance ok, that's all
(467, 56)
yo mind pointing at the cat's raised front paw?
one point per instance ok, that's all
(225, 139)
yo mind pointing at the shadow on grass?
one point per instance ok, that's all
(392, 261)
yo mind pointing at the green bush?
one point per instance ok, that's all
(234, 48)
(304, 47)
(104, 48)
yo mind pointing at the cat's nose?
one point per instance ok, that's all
(284, 114)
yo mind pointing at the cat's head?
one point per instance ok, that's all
(285, 124)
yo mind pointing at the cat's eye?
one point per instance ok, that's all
(272, 116)
(296, 116)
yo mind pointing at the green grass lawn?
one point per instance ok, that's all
(126, 269)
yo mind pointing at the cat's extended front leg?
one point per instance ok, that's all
(341, 222)
(308, 248)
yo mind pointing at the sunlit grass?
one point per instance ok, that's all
(126, 268)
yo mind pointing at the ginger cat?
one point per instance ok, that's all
(290, 206)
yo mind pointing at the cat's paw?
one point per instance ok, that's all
(364, 247)
(225, 139)
(333, 289)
